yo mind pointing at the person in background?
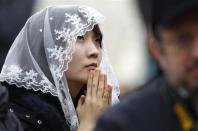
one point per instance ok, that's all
(145, 13)
(167, 102)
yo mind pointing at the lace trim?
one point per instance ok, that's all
(31, 79)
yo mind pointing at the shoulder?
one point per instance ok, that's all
(137, 109)
(3, 98)
(142, 97)
(36, 110)
(8, 120)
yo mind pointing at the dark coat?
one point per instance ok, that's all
(8, 120)
(37, 111)
(142, 110)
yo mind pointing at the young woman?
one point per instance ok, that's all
(58, 64)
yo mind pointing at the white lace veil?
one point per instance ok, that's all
(42, 50)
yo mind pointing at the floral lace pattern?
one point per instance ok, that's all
(56, 29)
(62, 55)
(30, 78)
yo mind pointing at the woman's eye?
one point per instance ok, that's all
(81, 38)
(99, 41)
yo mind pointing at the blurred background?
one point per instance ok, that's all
(123, 31)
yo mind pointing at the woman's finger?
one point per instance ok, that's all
(101, 86)
(105, 80)
(95, 83)
(89, 84)
(83, 97)
(80, 103)
(106, 95)
(110, 96)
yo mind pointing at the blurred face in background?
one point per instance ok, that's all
(177, 50)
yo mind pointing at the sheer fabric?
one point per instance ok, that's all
(42, 50)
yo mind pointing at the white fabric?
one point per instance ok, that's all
(41, 52)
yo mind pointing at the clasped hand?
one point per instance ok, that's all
(97, 99)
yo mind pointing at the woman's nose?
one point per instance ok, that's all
(93, 51)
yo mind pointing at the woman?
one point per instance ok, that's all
(60, 58)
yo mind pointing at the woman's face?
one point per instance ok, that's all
(87, 56)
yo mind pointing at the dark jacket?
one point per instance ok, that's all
(37, 111)
(8, 120)
(142, 110)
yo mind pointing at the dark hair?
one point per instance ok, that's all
(144, 7)
(165, 13)
(98, 32)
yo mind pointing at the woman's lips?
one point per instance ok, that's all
(92, 66)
